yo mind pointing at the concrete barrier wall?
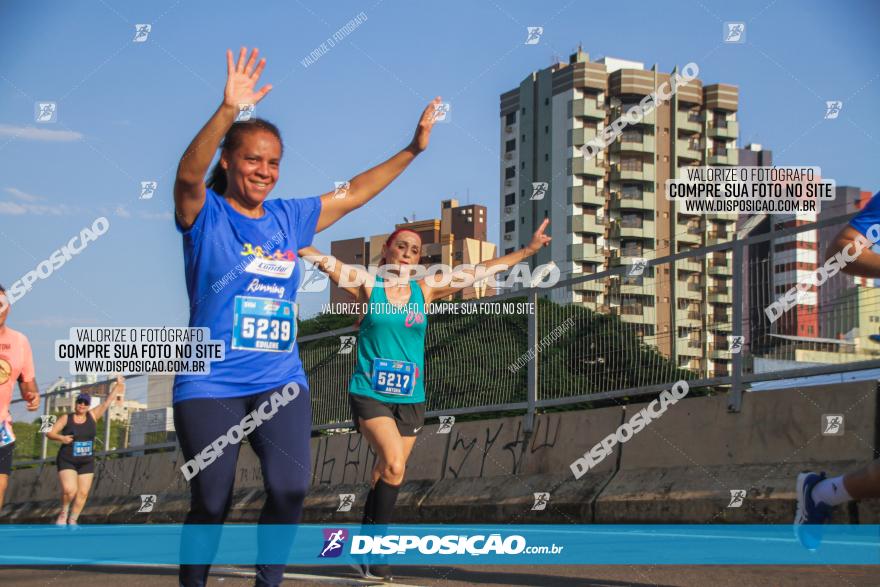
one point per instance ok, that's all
(684, 465)
(679, 469)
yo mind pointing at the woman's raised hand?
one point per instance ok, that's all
(426, 123)
(242, 78)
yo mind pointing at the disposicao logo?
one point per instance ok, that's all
(334, 542)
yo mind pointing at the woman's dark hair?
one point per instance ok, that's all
(232, 140)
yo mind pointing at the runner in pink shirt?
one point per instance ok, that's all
(16, 364)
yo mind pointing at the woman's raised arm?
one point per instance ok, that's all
(367, 185)
(189, 185)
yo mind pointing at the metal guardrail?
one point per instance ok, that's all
(480, 362)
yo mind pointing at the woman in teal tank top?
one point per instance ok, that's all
(387, 390)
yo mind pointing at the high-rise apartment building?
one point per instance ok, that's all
(607, 210)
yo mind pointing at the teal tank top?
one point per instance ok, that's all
(391, 348)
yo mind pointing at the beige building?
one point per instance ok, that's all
(607, 210)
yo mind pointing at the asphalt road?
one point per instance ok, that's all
(547, 576)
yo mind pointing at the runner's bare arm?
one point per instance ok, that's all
(866, 264)
(30, 393)
(55, 432)
(117, 392)
(464, 277)
(364, 187)
(189, 184)
(353, 276)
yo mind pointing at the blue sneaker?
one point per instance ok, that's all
(810, 515)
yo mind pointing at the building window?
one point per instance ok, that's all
(546, 130)
(508, 251)
(522, 219)
(510, 173)
(510, 118)
(510, 146)
(523, 110)
(509, 226)
(523, 165)
(546, 101)
(546, 156)
(509, 200)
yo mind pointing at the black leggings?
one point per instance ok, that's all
(282, 445)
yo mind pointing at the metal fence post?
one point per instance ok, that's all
(532, 391)
(734, 400)
(45, 443)
(107, 425)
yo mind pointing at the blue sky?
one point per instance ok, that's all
(127, 110)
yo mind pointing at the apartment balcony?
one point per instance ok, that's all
(684, 149)
(587, 107)
(719, 295)
(587, 223)
(645, 229)
(625, 256)
(689, 347)
(688, 318)
(642, 173)
(585, 252)
(725, 129)
(584, 166)
(721, 322)
(719, 352)
(688, 233)
(714, 237)
(648, 119)
(720, 268)
(692, 264)
(723, 157)
(587, 194)
(597, 285)
(688, 121)
(689, 290)
(620, 286)
(619, 201)
(636, 313)
(582, 136)
(643, 145)
(723, 217)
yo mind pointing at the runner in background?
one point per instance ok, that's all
(242, 274)
(16, 364)
(76, 432)
(816, 494)
(387, 390)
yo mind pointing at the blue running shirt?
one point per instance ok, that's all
(241, 277)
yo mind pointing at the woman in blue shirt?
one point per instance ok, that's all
(242, 273)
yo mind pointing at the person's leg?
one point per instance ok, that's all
(391, 453)
(282, 445)
(67, 480)
(5, 469)
(200, 422)
(83, 486)
(864, 483)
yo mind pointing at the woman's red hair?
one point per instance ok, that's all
(393, 236)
